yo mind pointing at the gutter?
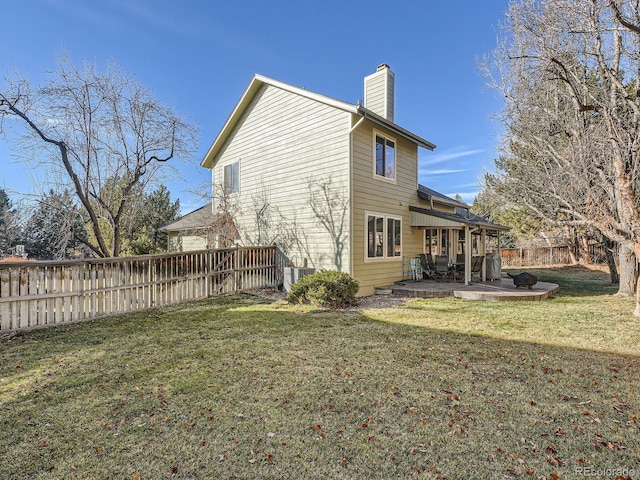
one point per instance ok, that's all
(393, 127)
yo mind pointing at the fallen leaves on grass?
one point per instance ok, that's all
(555, 461)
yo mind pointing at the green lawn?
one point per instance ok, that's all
(237, 387)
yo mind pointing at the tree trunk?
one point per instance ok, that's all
(609, 245)
(571, 241)
(636, 311)
(585, 256)
(628, 271)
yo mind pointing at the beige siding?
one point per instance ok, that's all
(421, 219)
(390, 93)
(186, 242)
(173, 242)
(372, 194)
(376, 94)
(379, 93)
(283, 142)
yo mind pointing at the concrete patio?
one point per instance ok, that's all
(492, 291)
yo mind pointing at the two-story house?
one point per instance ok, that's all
(336, 184)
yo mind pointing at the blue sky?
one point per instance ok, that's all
(198, 56)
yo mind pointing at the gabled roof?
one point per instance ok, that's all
(259, 80)
(200, 218)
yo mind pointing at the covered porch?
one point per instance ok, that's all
(460, 239)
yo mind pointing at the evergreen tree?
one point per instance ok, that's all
(53, 230)
(156, 209)
(9, 225)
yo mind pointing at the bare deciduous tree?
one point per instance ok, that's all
(568, 70)
(223, 225)
(88, 129)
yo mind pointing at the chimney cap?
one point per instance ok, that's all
(382, 66)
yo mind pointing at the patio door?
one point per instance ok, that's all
(460, 237)
(436, 241)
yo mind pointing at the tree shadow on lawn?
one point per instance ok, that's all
(257, 389)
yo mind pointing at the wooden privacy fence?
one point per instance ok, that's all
(524, 257)
(36, 294)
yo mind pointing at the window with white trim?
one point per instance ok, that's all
(231, 180)
(384, 236)
(394, 237)
(385, 157)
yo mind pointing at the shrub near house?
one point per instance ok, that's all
(328, 288)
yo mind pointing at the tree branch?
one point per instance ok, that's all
(624, 22)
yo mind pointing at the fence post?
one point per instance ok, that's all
(236, 273)
(152, 287)
(207, 277)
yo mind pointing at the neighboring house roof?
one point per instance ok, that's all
(258, 81)
(14, 259)
(199, 219)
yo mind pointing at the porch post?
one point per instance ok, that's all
(467, 255)
(483, 252)
(453, 243)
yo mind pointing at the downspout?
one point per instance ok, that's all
(351, 252)
(356, 125)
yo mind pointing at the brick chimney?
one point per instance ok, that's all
(379, 91)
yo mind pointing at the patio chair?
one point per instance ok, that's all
(428, 267)
(458, 270)
(442, 265)
(476, 265)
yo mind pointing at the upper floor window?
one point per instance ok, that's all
(232, 178)
(385, 157)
